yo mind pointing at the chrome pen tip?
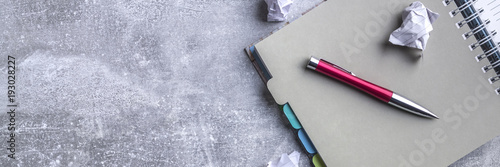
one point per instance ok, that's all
(433, 115)
(429, 114)
(410, 106)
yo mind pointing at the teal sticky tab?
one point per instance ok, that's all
(306, 142)
(291, 117)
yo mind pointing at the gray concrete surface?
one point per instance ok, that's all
(145, 83)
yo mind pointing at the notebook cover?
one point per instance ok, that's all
(350, 128)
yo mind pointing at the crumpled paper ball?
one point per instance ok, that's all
(278, 9)
(286, 160)
(417, 23)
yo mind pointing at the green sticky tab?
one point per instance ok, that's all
(318, 161)
(291, 117)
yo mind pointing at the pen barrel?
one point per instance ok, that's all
(338, 73)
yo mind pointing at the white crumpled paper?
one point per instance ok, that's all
(417, 23)
(291, 160)
(278, 9)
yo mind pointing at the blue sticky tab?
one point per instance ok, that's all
(260, 63)
(306, 142)
(291, 117)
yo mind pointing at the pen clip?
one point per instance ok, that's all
(340, 68)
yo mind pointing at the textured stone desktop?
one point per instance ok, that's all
(145, 83)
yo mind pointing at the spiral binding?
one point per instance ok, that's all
(487, 53)
(462, 7)
(470, 18)
(494, 79)
(476, 30)
(491, 66)
(482, 41)
(483, 37)
(447, 2)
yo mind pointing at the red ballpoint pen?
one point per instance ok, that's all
(379, 92)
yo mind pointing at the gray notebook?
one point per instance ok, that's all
(350, 128)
